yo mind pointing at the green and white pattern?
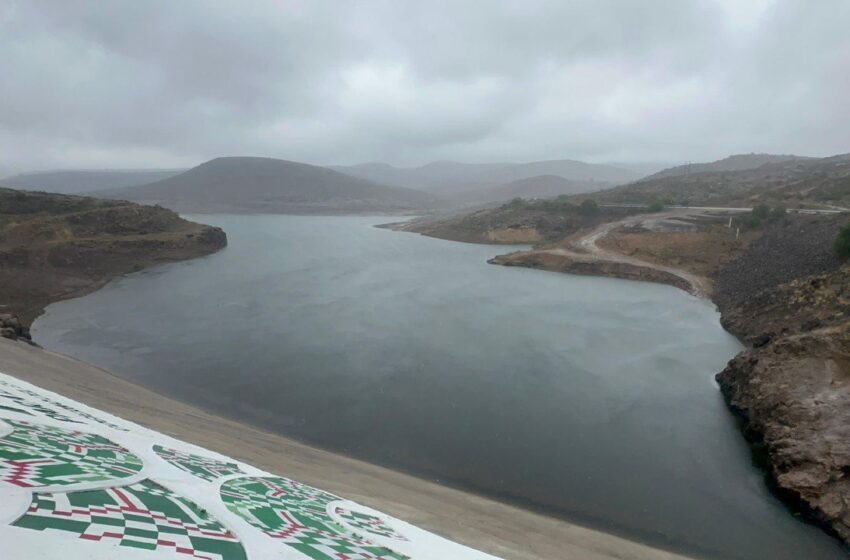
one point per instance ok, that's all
(202, 467)
(74, 411)
(367, 523)
(102, 488)
(34, 455)
(296, 514)
(144, 515)
(17, 402)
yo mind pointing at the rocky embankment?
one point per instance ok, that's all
(53, 247)
(788, 298)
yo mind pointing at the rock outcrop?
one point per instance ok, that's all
(55, 246)
(12, 328)
(791, 387)
(793, 397)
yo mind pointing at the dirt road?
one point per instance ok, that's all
(585, 247)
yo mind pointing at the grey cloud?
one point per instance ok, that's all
(163, 83)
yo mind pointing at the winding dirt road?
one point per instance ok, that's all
(586, 248)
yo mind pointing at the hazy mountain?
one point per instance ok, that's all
(451, 178)
(739, 162)
(789, 181)
(541, 186)
(72, 182)
(642, 168)
(265, 185)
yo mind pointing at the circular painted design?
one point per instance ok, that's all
(33, 456)
(296, 514)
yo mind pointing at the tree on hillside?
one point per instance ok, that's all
(761, 212)
(842, 242)
(588, 207)
(656, 206)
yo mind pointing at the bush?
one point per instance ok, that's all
(842, 242)
(515, 203)
(656, 206)
(588, 207)
(778, 212)
(761, 212)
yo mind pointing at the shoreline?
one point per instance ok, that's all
(495, 527)
(794, 470)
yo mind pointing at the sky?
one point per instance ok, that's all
(164, 83)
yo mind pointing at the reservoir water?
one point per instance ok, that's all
(589, 398)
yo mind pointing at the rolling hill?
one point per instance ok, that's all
(737, 162)
(449, 178)
(814, 182)
(266, 185)
(541, 186)
(56, 246)
(76, 182)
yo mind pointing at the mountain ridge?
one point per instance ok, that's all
(267, 185)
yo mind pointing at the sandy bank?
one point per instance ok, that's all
(496, 528)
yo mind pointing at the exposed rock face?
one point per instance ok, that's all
(793, 395)
(11, 327)
(792, 387)
(58, 246)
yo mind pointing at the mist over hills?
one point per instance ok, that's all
(783, 180)
(540, 186)
(447, 178)
(85, 181)
(737, 162)
(266, 185)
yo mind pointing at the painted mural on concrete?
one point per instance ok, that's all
(77, 483)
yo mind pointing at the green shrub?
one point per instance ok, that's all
(656, 206)
(778, 212)
(761, 212)
(842, 242)
(588, 207)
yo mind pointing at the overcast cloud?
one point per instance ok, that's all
(165, 83)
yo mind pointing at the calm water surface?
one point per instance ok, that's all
(592, 398)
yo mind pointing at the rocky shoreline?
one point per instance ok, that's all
(786, 296)
(588, 267)
(55, 247)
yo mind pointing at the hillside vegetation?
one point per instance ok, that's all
(738, 162)
(813, 182)
(55, 246)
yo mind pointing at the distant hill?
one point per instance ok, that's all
(642, 169)
(451, 178)
(816, 182)
(265, 185)
(541, 186)
(75, 182)
(738, 162)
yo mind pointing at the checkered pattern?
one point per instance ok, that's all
(368, 523)
(202, 467)
(144, 515)
(34, 455)
(296, 514)
(11, 401)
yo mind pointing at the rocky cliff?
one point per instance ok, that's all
(791, 390)
(55, 246)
